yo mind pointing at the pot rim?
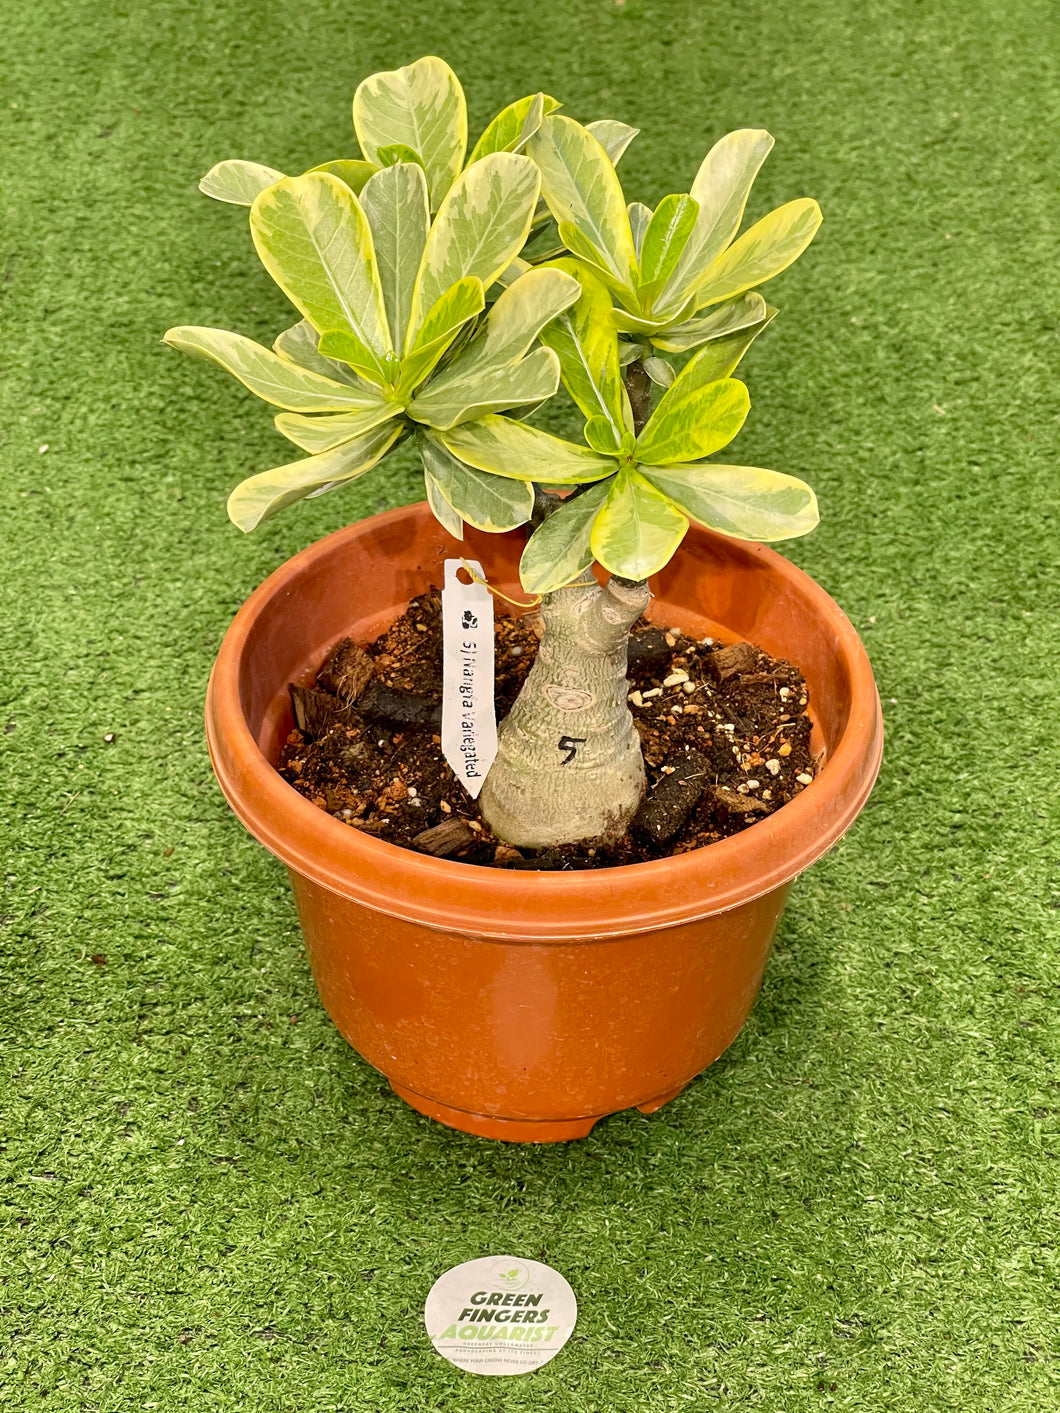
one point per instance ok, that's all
(582, 905)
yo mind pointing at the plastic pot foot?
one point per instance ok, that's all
(491, 1126)
(652, 1105)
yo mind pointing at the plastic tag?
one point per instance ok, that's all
(500, 1315)
(469, 717)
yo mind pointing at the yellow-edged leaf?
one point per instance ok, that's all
(494, 503)
(441, 509)
(260, 496)
(664, 242)
(769, 247)
(459, 303)
(301, 344)
(513, 126)
(509, 448)
(744, 501)
(585, 340)
(694, 418)
(721, 188)
(479, 230)
(532, 379)
(721, 357)
(318, 434)
(422, 107)
(267, 374)
(560, 550)
(395, 203)
(579, 182)
(238, 182)
(638, 529)
(314, 239)
(740, 313)
(350, 170)
(614, 137)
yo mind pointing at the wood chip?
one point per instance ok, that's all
(733, 661)
(734, 803)
(445, 839)
(668, 806)
(347, 671)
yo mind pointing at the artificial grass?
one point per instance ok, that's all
(210, 1202)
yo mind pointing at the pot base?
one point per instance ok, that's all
(517, 1130)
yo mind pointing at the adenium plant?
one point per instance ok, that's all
(444, 299)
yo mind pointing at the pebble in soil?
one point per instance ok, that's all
(723, 728)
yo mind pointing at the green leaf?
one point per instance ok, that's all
(510, 448)
(300, 344)
(313, 238)
(488, 502)
(238, 182)
(513, 126)
(614, 137)
(397, 152)
(743, 501)
(664, 240)
(646, 326)
(559, 551)
(479, 230)
(531, 380)
(395, 203)
(662, 373)
(453, 309)
(639, 221)
(421, 106)
(694, 418)
(584, 338)
(582, 189)
(721, 188)
(441, 509)
(769, 247)
(739, 313)
(638, 529)
(317, 434)
(348, 348)
(272, 378)
(255, 499)
(350, 170)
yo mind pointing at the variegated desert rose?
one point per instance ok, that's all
(445, 297)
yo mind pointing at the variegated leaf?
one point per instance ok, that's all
(693, 418)
(769, 247)
(514, 321)
(421, 106)
(638, 529)
(584, 338)
(660, 372)
(238, 182)
(614, 137)
(532, 379)
(350, 170)
(721, 188)
(721, 356)
(395, 202)
(260, 496)
(739, 313)
(272, 378)
(442, 511)
(300, 344)
(317, 434)
(493, 503)
(451, 312)
(639, 221)
(313, 238)
(510, 448)
(645, 326)
(479, 229)
(579, 182)
(743, 501)
(560, 550)
(514, 126)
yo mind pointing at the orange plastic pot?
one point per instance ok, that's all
(525, 1006)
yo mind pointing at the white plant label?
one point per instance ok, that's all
(500, 1315)
(469, 717)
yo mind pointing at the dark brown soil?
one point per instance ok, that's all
(723, 728)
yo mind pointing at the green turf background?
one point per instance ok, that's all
(209, 1202)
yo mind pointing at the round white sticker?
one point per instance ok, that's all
(500, 1315)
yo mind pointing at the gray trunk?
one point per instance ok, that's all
(569, 765)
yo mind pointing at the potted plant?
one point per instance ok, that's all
(444, 300)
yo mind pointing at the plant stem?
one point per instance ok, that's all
(638, 386)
